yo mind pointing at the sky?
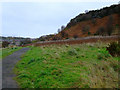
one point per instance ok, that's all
(34, 19)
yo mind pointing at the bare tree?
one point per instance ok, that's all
(58, 30)
(86, 11)
(62, 27)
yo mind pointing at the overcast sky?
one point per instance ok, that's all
(28, 19)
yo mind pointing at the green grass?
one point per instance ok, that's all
(68, 66)
(7, 51)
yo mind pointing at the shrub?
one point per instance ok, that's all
(95, 34)
(75, 36)
(26, 41)
(85, 29)
(100, 57)
(15, 48)
(103, 56)
(5, 44)
(77, 49)
(100, 31)
(93, 21)
(117, 25)
(89, 33)
(114, 48)
(67, 37)
(64, 34)
(42, 40)
(56, 38)
(72, 52)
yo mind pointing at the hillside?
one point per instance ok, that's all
(106, 11)
(88, 28)
(105, 21)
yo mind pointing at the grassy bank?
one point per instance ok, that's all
(7, 51)
(68, 66)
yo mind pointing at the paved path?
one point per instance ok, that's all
(8, 64)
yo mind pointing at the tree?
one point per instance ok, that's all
(86, 11)
(62, 27)
(58, 30)
(5, 44)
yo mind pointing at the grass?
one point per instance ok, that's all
(7, 51)
(68, 66)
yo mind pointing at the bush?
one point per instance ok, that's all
(100, 31)
(85, 29)
(100, 57)
(75, 36)
(72, 52)
(26, 41)
(114, 48)
(42, 40)
(95, 34)
(89, 33)
(103, 56)
(64, 34)
(93, 21)
(56, 38)
(67, 37)
(5, 44)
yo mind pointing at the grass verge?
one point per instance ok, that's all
(68, 66)
(7, 51)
